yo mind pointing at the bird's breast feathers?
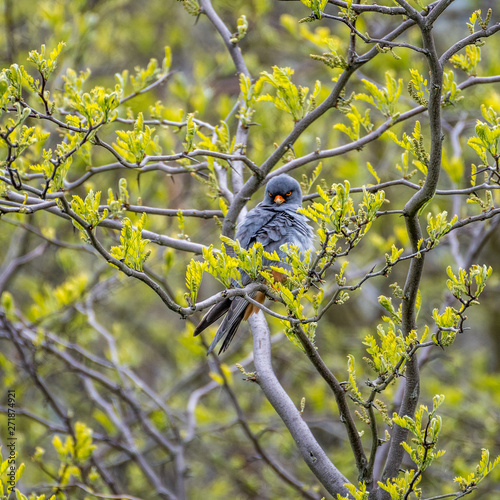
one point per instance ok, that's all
(274, 228)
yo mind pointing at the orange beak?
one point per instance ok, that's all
(279, 199)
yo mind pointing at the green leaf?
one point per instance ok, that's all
(134, 145)
(194, 274)
(372, 171)
(288, 97)
(46, 63)
(132, 249)
(317, 7)
(241, 30)
(352, 378)
(191, 131)
(384, 98)
(467, 62)
(438, 226)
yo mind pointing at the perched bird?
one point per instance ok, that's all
(273, 222)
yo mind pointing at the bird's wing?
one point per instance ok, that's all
(255, 220)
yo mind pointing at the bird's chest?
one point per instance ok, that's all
(277, 231)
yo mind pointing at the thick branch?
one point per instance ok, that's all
(280, 471)
(312, 453)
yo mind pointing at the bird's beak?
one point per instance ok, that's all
(279, 199)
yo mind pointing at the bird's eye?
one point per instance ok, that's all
(289, 193)
(269, 193)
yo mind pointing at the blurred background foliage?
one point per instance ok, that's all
(109, 37)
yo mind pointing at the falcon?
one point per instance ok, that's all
(273, 222)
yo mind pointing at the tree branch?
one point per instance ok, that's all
(410, 291)
(340, 397)
(233, 49)
(311, 451)
(469, 40)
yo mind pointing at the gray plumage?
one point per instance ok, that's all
(273, 222)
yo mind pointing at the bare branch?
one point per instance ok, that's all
(311, 451)
(469, 40)
(233, 49)
(410, 11)
(161, 489)
(169, 212)
(360, 8)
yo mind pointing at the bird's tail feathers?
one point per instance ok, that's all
(213, 314)
(230, 324)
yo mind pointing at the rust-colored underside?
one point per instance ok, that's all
(260, 297)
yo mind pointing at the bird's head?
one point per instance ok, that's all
(283, 191)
